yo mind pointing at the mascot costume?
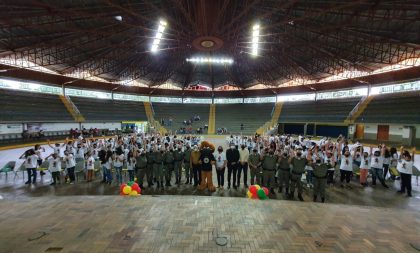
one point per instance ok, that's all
(207, 161)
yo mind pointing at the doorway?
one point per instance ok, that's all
(360, 131)
(383, 133)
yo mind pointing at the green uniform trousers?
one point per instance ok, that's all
(283, 178)
(269, 178)
(295, 180)
(319, 186)
(158, 171)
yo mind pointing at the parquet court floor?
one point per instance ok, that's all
(192, 224)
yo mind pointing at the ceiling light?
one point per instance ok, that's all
(118, 18)
(158, 36)
(255, 39)
(210, 60)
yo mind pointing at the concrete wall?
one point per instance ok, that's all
(397, 133)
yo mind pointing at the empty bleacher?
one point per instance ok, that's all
(231, 116)
(393, 108)
(181, 112)
(331, 110)
(21, 106)
(110, 110)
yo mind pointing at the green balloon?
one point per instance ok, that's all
(261, 194)
(130, 183)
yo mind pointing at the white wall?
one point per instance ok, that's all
(397, 132)
(110, 126)
(58, 126)
(11, 128)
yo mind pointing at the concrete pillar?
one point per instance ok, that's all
(305, 129)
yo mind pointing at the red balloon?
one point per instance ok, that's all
(254, 196)
(122, 187)
(266, 190)
(136, 187)
(253, 189)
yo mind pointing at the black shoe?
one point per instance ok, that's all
(272, 191)
(300, 197)
(28, 182)
(409, 195)
(401, 192)
(280, 190)
(384, 185)
(52, 184)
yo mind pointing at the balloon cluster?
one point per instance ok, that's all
(257, 192)
(130, 189)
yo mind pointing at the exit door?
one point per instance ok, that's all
(383, 133)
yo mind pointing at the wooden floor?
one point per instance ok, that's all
(192, 224)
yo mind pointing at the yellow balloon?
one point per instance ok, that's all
(258, 187)
(127, 190)
(133, 193)
(135, 179)
(249, 194)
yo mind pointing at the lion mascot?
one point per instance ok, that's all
(207, 162)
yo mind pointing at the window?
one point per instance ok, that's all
(228, 100)
(197, 100)
(118, 96)
(343, 93)
(294, 97)
(410, 86)
(88, 93)
(27, 86)
(166, 99)
(258, 100)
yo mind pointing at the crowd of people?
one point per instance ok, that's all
(279, 162)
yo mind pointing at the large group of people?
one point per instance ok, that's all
(279, 162)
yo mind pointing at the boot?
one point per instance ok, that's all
(272, 191)
(291, 195)
(167, 183)
(161, 185)
(280, 189)
(188, 181)
(323, 200)
(315, 197)
(176, 181)
(157, 185)
(300, 197)
(287, 191)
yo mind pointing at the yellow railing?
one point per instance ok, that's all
(274, 119)
(358, 110)
(212, 120)
(152, 122)
(72, 109)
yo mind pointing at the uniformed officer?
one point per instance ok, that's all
(269, 160)
(187, 167)
(284, 172)
(158, 166)
(178, 159)
(149, 167)
(168, 162)
(298, 168)
(320, 178)
(254, 166)
(141, 167)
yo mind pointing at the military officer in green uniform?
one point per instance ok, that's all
(149, 167)
(254, 166)
(141, 167)
(187, 165)
(168, 165)
(298, 168)
(269, 161)
(178, 159)
(158, 166)
(284, 172)
(320, 177)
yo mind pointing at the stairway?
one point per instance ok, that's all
(274, 119)
(72, 108)
(212, 119)
(358, 109)
(150, 118)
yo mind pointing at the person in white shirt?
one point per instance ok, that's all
(90, 166)
(70, 165)
(346, 167)
(131, 164)
(54, 166)
(56, 147)
(243, 165)
(405, 167)
(38, 152)
(221, 163)
(364, 167)
(31, 163)
(376, 166)
(118, 164)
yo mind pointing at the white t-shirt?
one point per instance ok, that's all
(90, 163)
(377, 162)
(131, 164)
(346, 163)
(54, 164)
(365, 163)
(405, 167)
(31, 162)
(80, 153)
(70, 162)
(220, 159)
(118, 162)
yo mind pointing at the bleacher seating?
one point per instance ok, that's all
(331, 110)
(21, 106)
(393, 108)
(181, 112)
(110, 110)
(253, 116)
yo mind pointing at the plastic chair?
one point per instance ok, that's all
(79, 168)
(8, 168)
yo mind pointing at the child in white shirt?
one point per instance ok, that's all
(405, 167)
(54, 166)
(90, 166)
